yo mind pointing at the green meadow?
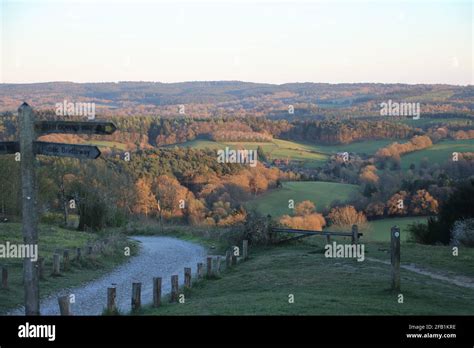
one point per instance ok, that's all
(441, 152)
(322, 194)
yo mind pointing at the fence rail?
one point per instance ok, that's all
(311, 233)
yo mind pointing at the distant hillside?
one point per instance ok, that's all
(221, 98)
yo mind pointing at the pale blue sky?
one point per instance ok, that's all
(261, 41)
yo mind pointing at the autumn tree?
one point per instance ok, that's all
(304, 208)
(369, 174)
(145, 200)
(397, 204)
(346, 216)
(305, 218)
(422, 203)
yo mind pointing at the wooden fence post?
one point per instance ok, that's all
(136, 296)
(56, 265)
(156, 292)
(209, 266)
(29, 219)
(174, 288)
(234, 258)
(64, 305)
(395, 257)
(66, 259)
(200, 270)
(355, 234)
(187, 277)
(111, 295)
(41, 268)
(217, 268)
(4, 277)
(227, 259)
(245, 246)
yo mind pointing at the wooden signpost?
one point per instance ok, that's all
(28, 147)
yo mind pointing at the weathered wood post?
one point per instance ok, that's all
(29, 217)
(187, 277)
(156, 292)
(4, 277)
(40, 264)
(217, 267)
(234, 257)
(245, 246)
(111, 296)
(209, 266)
(174, 288)
(28, 147)
(227, 259)
(56, 265)
(395, 257)
(136, 296)
(64, 305)
(355, 234)
(66, 259)
(200, 270)
(78, 253)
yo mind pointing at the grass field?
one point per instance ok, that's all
(278, 149)
(109, 144)
(324, 286)
(310, 155)
(438, 153)
(379, 230)
(50, 239)
(275, 202)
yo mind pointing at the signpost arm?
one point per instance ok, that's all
(29, 213)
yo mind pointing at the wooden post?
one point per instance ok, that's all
(174, 288)
(328, 238)
(111, 296)
(40, 264)
(217, 268)
(56, 265)
(209, 266)
(187, 277)
(78, 253)
(136, 296)
(29, 216)
(234, 258)
(156, 292)
(355, 234)
(395, 257)
(245, 246)
(200, 270)
(66, 259)
(89, 250)
(4, 277)
(64, 307)
(227, 259)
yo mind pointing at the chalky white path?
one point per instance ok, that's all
(158, 257)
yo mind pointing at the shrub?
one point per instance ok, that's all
(462, 233)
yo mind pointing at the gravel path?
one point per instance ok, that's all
(158, 257)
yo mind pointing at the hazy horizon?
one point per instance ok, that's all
(240, 81)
